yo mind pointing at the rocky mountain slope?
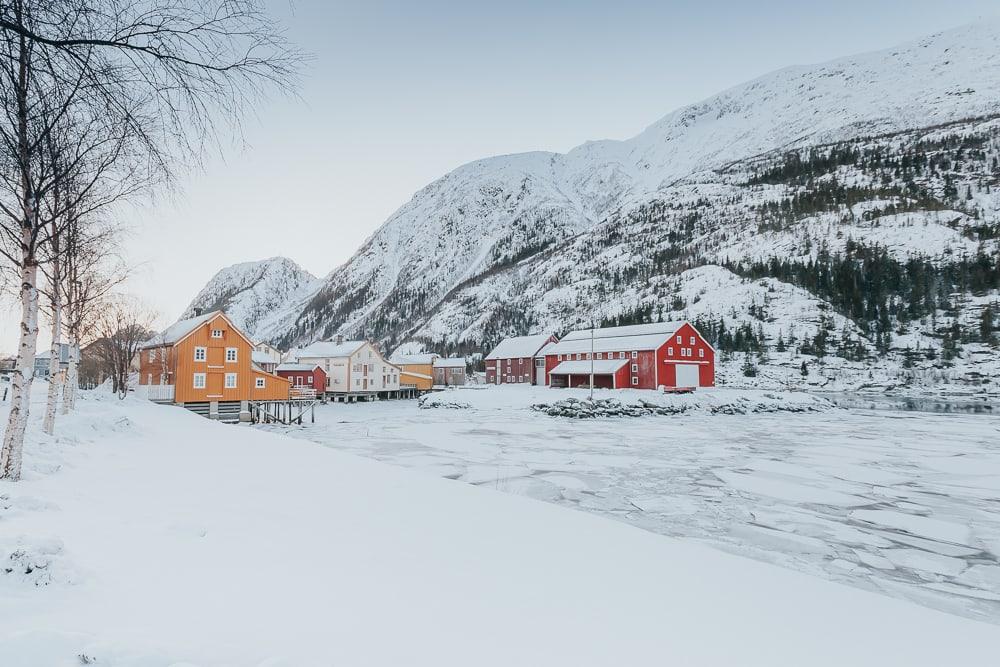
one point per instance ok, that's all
(790, 191)
(260, 297)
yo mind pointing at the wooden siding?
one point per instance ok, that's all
(423, 384)
(181, 367)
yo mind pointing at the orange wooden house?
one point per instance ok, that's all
(206, 363)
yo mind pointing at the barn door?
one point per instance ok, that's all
(687, 375)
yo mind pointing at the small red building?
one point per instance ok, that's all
(642, 356)
(517, 360)
(303, 376)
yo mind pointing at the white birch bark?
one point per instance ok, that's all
(55, 370)
(72, 377)
(17, 421)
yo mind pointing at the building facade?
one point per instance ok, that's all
(450, 372)
(416, 371)
(644, 356)
(351, 367)
(303, 376)
(206, 359)
(517, 360)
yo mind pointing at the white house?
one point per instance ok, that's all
(351, 366)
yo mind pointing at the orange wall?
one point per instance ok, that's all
(423, 369)
(182, 363)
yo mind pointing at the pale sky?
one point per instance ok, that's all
(399, 92)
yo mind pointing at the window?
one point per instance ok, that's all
(230, 380)
(260, 383)
(635, 355)
(199, 380)
(670, 351)
(692, 340)
(635, 368)
(231, 355)
(216, 333)
(579, 356)
(600, 355)
(680, 340)
(701, 353)
(560, 357)
(149, 378)
(327, 362)
(635, 380)
(310, 379)
(200, 354)
(152, 355)
(621, 355)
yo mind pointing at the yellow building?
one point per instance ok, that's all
(415, 370)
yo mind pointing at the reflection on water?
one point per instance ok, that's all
(936, 404)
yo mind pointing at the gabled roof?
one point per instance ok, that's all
(628, 330)
(453, 362)
(583, 367)
(261, 357)
(184, 328)
(423, 359)
(305, 368)
(328, 349)
(519, 346)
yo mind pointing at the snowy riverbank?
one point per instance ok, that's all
(154, 537)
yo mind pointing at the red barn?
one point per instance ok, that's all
(303, 376)
(517, 360)
(642, 356)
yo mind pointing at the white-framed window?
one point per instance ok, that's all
(635, 368)
(230, 380)
(216, 333)
(600, 355)
(670, 351)
(680, 340)
(635, 355)
(152, 355)
(690, 352)
(231, 355)
(635, 380)
(508, 362)
(149, 378)
(621, 355)
(309, 379)
(560, 357)
(701, 352)
(259, 383)
(199, 380)
(357, 382)
(200, 353)
(692, 340)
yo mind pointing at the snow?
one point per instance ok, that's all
(801, 490)
(451, 362)
(583, 366)
(306, 368)
(180, 329)
(519, 346)
(630, 330)
(156, 537)
(329, 349)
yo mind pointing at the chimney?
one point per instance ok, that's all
(197, 312)
(339, 339)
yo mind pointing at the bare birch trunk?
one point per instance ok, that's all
(55, 370)
(17, 421)
(72, 376)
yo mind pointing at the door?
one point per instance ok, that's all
(540, 371)
(214, 385)
(687, 375)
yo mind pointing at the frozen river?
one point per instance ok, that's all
(905, 503)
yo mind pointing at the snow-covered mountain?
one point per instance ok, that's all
(895, 148)
(261, 297)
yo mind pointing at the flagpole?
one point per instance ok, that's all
(592, 361)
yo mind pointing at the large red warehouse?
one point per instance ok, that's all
(642, 356)
(517, 360)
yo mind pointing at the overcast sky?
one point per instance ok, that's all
(400, 92)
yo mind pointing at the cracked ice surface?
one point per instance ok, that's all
(907, 504)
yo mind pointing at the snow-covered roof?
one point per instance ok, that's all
(261, 357)
(324, 349)
(616, 344)
(628, 330)
(422, 376)
(583, 367)
(519, 346)
(180, 329)
(305, 368)
(456, 362)
(413, 358)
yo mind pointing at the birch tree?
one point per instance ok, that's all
(169, 73)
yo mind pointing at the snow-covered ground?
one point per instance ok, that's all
(144, 535)
(903, 503)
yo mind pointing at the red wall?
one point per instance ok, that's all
(653, 367)
(701, 354)
(519, 367)
(318, 374)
